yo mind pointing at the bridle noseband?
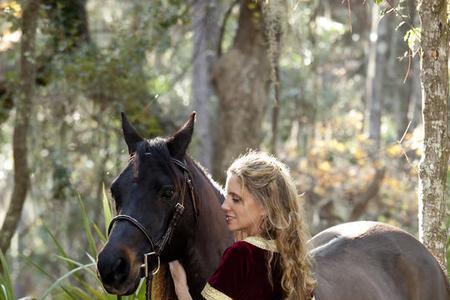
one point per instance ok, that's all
(157, 248)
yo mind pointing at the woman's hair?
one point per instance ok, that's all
(270, 183)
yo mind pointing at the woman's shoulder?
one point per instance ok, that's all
(238, 249)
(251, 247)
(259, 243)
(251, 244)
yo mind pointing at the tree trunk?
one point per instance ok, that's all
(241, 78)
(206, 20)
(433, 165)
(375, 74)
(23, 112)
(272, 20)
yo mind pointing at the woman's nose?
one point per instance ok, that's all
(225, 205)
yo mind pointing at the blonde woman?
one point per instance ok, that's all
(270, 260)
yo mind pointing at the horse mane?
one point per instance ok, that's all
(157, 147)
(217, 187)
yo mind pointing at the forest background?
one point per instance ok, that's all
(330, 87)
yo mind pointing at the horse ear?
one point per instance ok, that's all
(179, 142)
(132, 138)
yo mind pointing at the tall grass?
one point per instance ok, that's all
(6, 286)
(80, 281)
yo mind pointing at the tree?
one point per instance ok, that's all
(433, 165)
(206, 17)
(23, 111)
(376, 70)
(68, 28)
(241, 78)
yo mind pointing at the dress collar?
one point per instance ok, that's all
(262, 243)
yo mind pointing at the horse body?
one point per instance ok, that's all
(357, 261)
(211, 238)
(371, 260)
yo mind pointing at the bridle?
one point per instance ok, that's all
(157, 248)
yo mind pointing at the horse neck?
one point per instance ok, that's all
(211, 237)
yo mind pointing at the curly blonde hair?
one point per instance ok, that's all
(270, 183)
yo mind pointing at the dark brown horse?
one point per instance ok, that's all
(371, 260)
(361, 260)
(147, 190)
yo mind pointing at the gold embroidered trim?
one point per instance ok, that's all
(210, 293)
(262, 243)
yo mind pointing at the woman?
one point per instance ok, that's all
(270, 259)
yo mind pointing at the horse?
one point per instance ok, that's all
(375, 261)
(147, 190)
(358, 260)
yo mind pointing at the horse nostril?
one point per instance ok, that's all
(113, 271)
(120, 270)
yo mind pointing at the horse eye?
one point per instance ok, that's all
(167, 192)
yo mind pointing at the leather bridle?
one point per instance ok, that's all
(157, 248)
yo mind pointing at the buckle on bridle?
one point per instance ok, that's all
(146, 264)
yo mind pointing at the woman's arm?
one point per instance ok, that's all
(179, 279)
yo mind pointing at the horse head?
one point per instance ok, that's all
(153, 189)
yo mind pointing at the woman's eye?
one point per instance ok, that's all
(235, 200)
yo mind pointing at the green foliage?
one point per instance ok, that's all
(107, 211)
(80, 281)
(339, 167)
(412, 38)
(6, 285)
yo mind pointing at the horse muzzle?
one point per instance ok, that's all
(118, 270)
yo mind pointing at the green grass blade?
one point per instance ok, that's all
(52, 278)
(37, 267)
(91, 258)
(88, 289)
(87, 227)
(5, 295)
(99, 233)
(106, 209)
(57, 244)
(5, 279)
(80, 294)
(91, 264)
(60, 279)
(89, 271)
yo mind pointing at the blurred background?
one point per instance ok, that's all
(330, 87)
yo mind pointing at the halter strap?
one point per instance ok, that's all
(135, 223)
(188, 180)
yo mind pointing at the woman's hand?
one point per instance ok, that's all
(179, 279)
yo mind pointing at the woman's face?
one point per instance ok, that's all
(243, 211)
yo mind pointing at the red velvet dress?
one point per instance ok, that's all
(242, 273)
